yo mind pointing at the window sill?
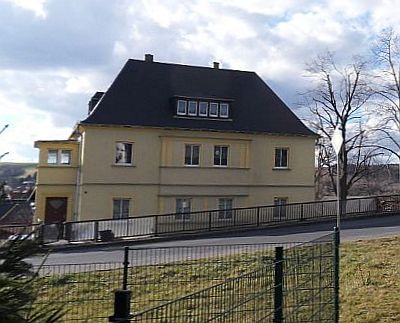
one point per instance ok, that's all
(57, 165)
(123, 165)
(281, 168)
(207, 167)
(191, 165)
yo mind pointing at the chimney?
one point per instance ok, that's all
(216, 65)
(148, 58)
(94, 100)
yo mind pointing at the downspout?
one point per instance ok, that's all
(76, 216)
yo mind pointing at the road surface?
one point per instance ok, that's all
(352, 229)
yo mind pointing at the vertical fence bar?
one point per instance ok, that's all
(155, 224)
(336, 272)
(96, 231)
(258, 216)
(126, 266)
(278, 286)
(209, 221)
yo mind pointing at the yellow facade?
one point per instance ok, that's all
(158, 176)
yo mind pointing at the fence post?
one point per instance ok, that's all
(155, 225)
(122, 307)
(278, 286)
(96, 230)
(258, 216)
(336, 272)
(209, 221)
(41, 234)
(302, 212)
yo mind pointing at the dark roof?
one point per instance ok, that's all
(143, 93)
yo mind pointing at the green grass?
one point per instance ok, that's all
(370, 281)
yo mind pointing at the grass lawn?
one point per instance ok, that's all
(370, 281)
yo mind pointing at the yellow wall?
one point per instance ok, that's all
(158, 175)
(56, 180)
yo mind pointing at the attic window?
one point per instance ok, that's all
(224, 110)
(202, 109)
(213, 109)
(181, 107)
(192, 109)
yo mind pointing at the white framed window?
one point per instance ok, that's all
(59, 157)
(181, 107)
(221, 155)
(192, 108)
(224, 110)
(123, 153)
(65, 157)
(183, 208)
(203, 109)
(280, 207)
(281, 157)
(192, 153)
(121, 208)
(225, 206)
(213, 112)
(52, 156)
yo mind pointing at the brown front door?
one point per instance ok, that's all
(56, 210)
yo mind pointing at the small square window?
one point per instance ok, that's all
(192, 109)
(203, 109)
(121, 208)
(281, 157)
(213, 109)
(52, 156)
(183, 207)
(181, 107)
(280, 207)
(65, 157)
(220, 155)
(225, 206)
(224, 110)
(123, 153)
(192, 153)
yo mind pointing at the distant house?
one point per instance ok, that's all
(168, 138)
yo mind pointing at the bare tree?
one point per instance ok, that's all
(387, 90)
(337, 100)
(1, 131)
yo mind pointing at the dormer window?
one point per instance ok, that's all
(192, 109)
(181, 107)
(204, 108)
(224, 110)
(213, 109)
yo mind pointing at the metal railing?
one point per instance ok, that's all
(286, 282)
(255, 283)
(213, 220)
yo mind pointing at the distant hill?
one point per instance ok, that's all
(16, 173)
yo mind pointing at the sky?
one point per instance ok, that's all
(55, 54)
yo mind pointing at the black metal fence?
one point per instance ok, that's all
(290, 282)
(211, 220)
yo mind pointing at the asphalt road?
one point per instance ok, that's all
(352, 229)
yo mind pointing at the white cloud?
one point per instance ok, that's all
(36, 6)
(51, 66)
(25, 126)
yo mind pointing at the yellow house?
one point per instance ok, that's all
(168, 138)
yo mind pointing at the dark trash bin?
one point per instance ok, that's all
(106, 235)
